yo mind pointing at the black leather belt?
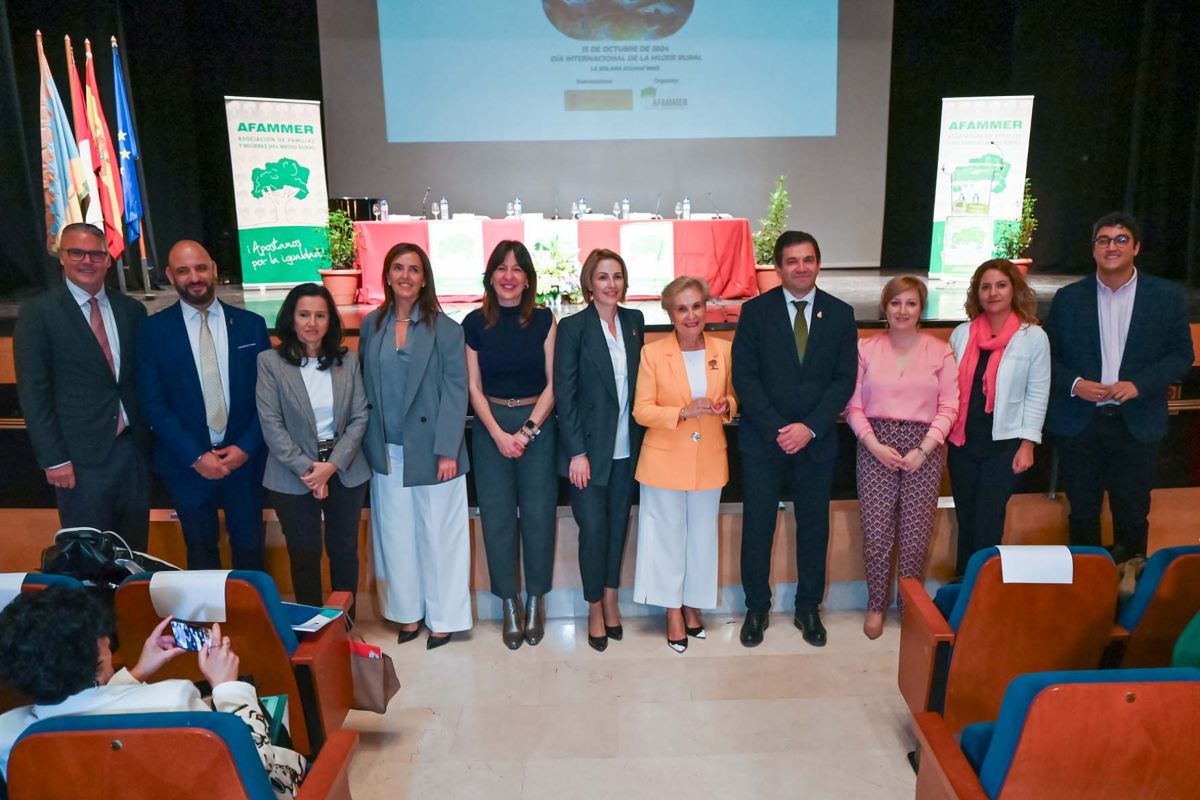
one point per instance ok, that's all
(1108, 410)
(325, 449)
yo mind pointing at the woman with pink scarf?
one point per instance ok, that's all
(1004, 384)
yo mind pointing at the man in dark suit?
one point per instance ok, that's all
(794, 364)
(1118, 340)
(75, 349)
(197, 372)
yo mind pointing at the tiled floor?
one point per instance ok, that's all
(559, 720)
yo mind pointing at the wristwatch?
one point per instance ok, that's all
(531, 429)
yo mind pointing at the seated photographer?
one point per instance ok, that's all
(55, 649)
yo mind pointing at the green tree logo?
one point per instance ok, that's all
(280, 181)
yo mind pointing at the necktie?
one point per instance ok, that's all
(96, 320)
(800, 329)
(210, 378)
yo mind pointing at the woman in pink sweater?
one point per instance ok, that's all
(904, 404)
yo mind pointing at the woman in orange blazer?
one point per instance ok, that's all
(684, 396)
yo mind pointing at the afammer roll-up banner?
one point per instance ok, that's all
(980, 180)
(278, 160)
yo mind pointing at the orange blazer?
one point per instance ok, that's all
(673, 456)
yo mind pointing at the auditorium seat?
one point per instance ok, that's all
(313, 671)
(178, 755)
(1099, 734)
(959, 663)
(1166, 599)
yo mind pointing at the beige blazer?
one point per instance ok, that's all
(673, 455)
(290, 428)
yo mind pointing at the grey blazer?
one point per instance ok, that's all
(435, 398)
(290, 428)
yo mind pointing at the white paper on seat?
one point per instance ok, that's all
(10, 586)
(194, 595)
(1036, 563)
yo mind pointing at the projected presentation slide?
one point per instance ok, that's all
(563, 70)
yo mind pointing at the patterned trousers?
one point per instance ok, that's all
(896, 506)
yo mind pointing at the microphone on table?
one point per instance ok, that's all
(657, 203)
(714, 205)
(424, 209)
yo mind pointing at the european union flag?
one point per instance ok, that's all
(127, 151)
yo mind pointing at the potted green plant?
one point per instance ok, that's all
(769, 229)
(342, 278)
(1014, 236)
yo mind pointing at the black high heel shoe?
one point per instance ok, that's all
(615, 632)
(678, 645)
(434, 642)
(598, 643)
(696, 633)
(408, 636)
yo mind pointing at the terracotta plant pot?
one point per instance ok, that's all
(1023, 264)
(767, 277)
(342, 284)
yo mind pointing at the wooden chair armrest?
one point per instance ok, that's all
(945, 772)
(1119, 634)
(341, 601)
(328, 776)
(1114, 651)
(923, 631)
(322, 667)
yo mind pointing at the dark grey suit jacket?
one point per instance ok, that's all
(290, 428)
(69, 395)
(585, 390)
(435, 398)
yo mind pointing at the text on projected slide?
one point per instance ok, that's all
(563, 70)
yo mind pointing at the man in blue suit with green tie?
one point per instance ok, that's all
(198, 365)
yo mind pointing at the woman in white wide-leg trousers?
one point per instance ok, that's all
(422, 546)
(677, 548)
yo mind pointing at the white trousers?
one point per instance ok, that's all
(677, 548)
(422, 544)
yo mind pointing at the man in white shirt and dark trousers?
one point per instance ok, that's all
(75, 351)
(1118, 340)
(198, 365)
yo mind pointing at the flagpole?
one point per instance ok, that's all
(147, 264)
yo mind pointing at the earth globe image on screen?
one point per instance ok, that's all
(618, 20)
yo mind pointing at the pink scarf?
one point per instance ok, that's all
(980, 338)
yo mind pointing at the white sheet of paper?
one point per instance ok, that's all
(10, 586)
(1036, 563)
(194, 595)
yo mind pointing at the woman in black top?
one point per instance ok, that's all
(510, 366)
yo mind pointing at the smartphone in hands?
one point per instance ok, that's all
(190, 637)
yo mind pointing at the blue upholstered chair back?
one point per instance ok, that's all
(952, 600)
(269, 593)
(227, 727)
(1156, 566)
(990, 746)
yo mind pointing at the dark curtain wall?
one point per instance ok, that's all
(182, 59)
(1115, 119)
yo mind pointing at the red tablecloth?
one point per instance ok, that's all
(720, 250)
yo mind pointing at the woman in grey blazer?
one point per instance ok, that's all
(596, 358)
(414, 366)
(314, 413)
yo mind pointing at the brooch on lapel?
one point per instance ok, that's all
(820, 314)
(712, 364)
(633, 332)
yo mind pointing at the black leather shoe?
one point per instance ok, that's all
(408, 636)
(752, 629)
(615, 632)
(535, 619)
(809, 623)
(598, 643)
(514, 624)
(434, 642)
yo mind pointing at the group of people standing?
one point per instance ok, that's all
(589, 400)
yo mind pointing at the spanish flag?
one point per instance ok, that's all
(89, 198)
(111, 202)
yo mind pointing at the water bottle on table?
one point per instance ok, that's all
(445, 208)
(625, 208)
(517, 207)
(383, 210)
(687, 207)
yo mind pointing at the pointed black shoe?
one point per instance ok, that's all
(678, 645)
(809, 623)
(513, 626)
(752, 629)
(598, 643)
(615, 632)
(408, 636)
(434, 642)
(696, 632)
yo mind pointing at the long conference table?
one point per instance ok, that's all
(655, 251)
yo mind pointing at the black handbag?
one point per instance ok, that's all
(97, 558)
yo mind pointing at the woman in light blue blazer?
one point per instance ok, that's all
(415, 371)
(1003, 388)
